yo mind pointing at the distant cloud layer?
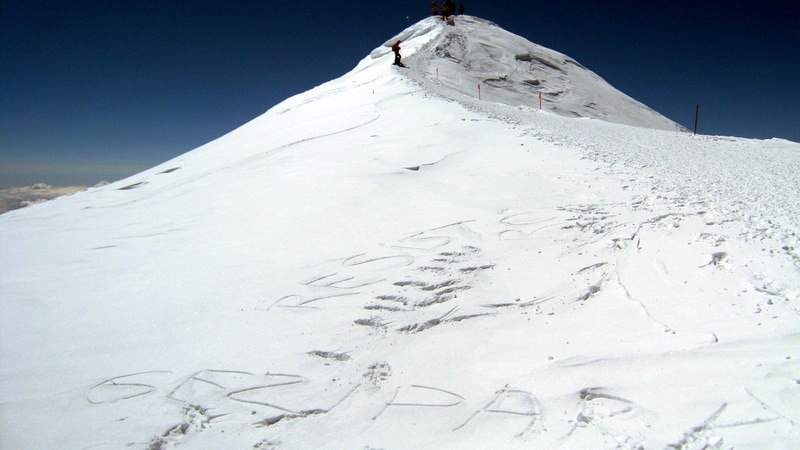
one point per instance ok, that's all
(20, 197)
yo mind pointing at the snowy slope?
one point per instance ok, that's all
(385, 261)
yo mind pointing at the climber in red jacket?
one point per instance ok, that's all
(396, 50)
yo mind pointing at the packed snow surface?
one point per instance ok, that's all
(386, 261)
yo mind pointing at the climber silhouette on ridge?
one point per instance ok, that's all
(397, 57)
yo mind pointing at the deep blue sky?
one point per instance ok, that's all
(94, 90)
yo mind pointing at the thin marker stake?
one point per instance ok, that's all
(479, 91)
(696, 117)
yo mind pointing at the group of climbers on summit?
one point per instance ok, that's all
(448, 9)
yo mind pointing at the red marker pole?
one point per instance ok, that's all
(540, 101)
(479, 92)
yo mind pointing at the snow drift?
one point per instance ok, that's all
(385, 261)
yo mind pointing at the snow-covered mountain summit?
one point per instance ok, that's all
(386, 261)
(513, 71)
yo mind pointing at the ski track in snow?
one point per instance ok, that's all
(661, 315)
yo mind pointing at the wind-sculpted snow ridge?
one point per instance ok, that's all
(513, 71)
(386, 261)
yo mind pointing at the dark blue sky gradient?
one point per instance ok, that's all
(95, 90)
